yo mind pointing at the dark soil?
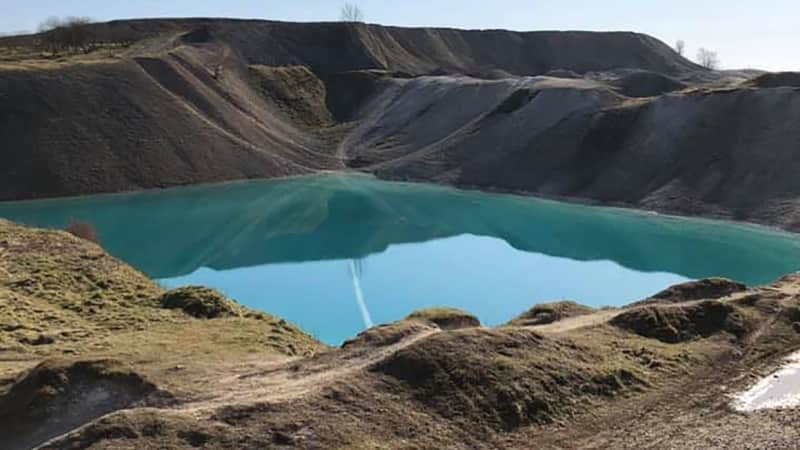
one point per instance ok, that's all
(647, 84)
(775, 80)
(57, 396)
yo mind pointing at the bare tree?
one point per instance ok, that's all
(71, 33)
(351, 13)
(51, 23)
(680, 47)
(50, 35)
(707, 58)
(78, 35)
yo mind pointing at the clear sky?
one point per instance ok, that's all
(763, 34)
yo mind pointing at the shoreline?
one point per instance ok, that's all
(467, 188)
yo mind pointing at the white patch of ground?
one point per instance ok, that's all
(781, 389)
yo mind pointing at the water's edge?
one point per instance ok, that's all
(484, 190)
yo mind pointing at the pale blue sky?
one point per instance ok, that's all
(746, 33)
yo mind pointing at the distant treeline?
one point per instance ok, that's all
(81, 34)
(73, 34)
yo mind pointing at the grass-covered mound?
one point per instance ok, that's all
(506, 378)
(56, 290)
(680, 323)
(445, 318)
(63, 295)
(388, 334)
(199, 302)
(708, 288)
(547, 313)
(421, 321)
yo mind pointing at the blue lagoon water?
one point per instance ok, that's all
(335, 254)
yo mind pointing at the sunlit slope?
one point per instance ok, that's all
(617, 118)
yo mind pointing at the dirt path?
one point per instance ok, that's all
(286, 380)
(574, 323)
(603, 316)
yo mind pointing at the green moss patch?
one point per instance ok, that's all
(199, 302)
(296, 91)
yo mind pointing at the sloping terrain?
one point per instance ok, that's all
(341, 47)
(95, 355)
(207, 373)
(620, 118)
(140, 123)
(721, 153)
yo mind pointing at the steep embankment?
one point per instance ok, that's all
(200, 100)
(185, 117)
(206, 372)
(340, 47)
(718, 153)
(621, 120)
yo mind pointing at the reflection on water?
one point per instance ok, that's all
(282, 247)
(356, 269)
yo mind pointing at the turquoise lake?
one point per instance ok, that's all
(334, 254)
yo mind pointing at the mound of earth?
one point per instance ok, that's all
(708, 288)
(389, 334)
(142, 428)
(445, 318)
(775, 80)
(515, 386)
(57, 396)
(547, 313)
(681, 323)
(647, 84)
(200, 302)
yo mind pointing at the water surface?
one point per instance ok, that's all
(336, 253)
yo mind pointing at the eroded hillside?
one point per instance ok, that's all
(616, 118)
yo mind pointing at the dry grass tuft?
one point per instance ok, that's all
(83, 230)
